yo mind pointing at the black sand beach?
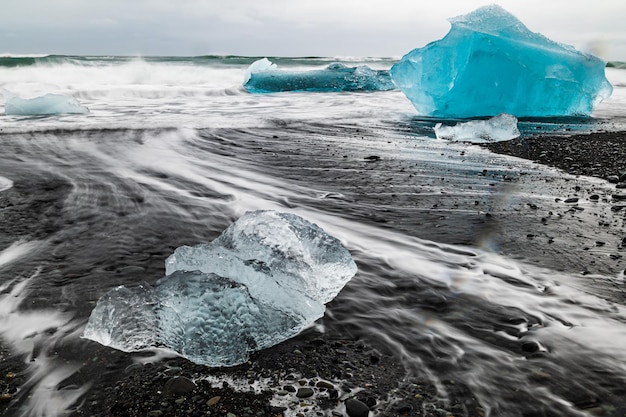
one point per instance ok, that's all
(301, 374)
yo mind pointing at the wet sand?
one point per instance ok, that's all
(601, 155)
(313, 362)
(376, 378)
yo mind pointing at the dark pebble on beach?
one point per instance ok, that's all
(305, 392)
(179, 385)
(356, 408)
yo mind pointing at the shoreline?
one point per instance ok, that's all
(599, 154)
(313, 372)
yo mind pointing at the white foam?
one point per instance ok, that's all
(5, 184)
(16, 251)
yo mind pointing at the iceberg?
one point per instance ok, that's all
(264, 77)
(263, 280)
(46, 105)
(489, 63)
(498, 128)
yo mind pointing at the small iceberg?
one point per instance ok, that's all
(264, 77)
(490, 63)
(498, 128)
(46, 105)
(262, 281)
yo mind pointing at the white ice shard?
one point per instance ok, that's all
(260, 65)
(263, 280)
(490, 63)
(498, 128)
(49, 104)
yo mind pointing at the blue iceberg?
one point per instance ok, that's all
(46, 105)
(264, 77)
(498, 128)
(263, 280)
(489, 63)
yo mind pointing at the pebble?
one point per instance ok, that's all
(356, 408)
(179, 385)
(304, 392)
(325, 384)
(571, 200)
(214, 400)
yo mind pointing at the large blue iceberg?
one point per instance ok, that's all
(46, 105)
(489, 63)
(264, 77)
(264, 279)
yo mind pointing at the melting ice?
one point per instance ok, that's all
(264, 77)
(48, 104)
(264, 279)
(490, 63)
(498, 128)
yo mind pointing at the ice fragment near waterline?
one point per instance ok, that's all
(490, 63)
(260, 65)
(263, 77)
(49, 104)
(263, 280)
(498, 128)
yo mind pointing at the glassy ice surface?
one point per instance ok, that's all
(490, 63)
(263, 280)
(500, 127)
(49, 104)
(264, 77)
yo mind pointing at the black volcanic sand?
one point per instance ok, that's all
(337, 369)
(601, 155)
(311, 374)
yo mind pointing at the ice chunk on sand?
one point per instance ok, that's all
(48, 104)
(263, 280)
(490, 63)
(498, 128)
(335, 77)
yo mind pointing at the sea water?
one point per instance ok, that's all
(457, 276)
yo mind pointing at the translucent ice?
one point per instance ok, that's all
(263, 77)
(48, 104)
(490, 63)
(261, 65)
(500, 127)
(263, 280)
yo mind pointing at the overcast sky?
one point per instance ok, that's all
(285, 27)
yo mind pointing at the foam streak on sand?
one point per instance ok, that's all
(34, 335)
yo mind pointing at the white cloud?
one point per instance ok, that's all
(293, 27)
